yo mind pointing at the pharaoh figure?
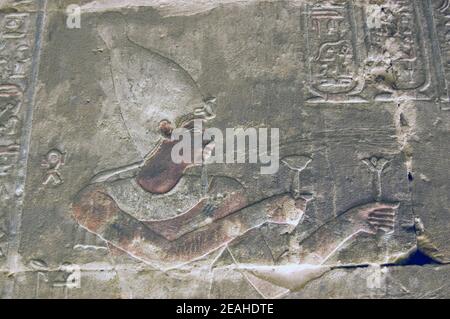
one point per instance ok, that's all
(167, 214)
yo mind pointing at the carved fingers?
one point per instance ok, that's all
(374, 217)
(382, 220)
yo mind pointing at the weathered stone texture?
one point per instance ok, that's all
(92, 206)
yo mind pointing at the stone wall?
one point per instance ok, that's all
(91, 205)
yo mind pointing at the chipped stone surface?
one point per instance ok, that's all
(92, 204)
(419, 282)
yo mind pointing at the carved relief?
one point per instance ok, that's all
(232, 205)
(15, 62)
(395, 38)
(376, 166)
(224, 212)
(65, 277)
(334, 65)
(15, 25)
(373, 52)
(441, 14)
(10, 104)
(15, 51)
(52, 163)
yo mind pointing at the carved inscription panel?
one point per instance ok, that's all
(16, 45)
(379, 51)
(332, 40)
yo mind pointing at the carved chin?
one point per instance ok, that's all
(160, 174)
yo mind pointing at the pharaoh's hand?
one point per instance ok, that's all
(373, 218)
